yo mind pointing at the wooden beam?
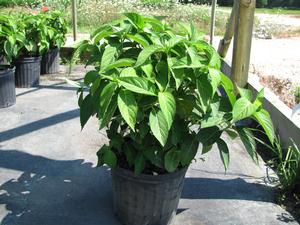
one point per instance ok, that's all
(244, 19)
(74, 19)
(213, 20)
(225, 42)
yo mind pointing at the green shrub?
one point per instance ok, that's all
(56, 28)
(9, 34)
(30, 34)
(156, 91)
(286, 164)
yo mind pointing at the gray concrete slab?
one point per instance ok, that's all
(48, 174)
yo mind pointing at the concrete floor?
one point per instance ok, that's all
(48, 174)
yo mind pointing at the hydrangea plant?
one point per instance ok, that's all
(157, 91)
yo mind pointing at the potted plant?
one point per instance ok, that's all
(56, 37)
(8, 49)
(156, 91)
(32, 43)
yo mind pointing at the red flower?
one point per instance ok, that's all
(45, 9)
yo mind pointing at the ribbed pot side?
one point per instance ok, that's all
(146, 199)
(28, 70)
(7, 87)
(50, 61)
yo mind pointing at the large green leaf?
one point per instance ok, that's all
(109, 158)
(120, 63)
(249, 142)
(107, 106)
(206, 149)
(106, 156)
(193, 57)
(178, 74)
(242, 109)
(148, 70)
(139, 39)
(212, 120)
(139, 85)
(90, 77)
(128, 72)
(209, 136)
(139, 164)
(130, 154)
(228, 88)
(146, 53)
(106, 95)
(135, 19)
(205, 91)
(99, 30)
(8, 48)
(224, 153)
(188, 150)
(162, 77)
(100, 154)
(109, 56)
(86, 110)
(128, 107)
(215, 79)
(159, 126)
(263, 118)
(259, 98)
(102, 34)
(185, 105)
(186, 63)
(105, 119)
(168, 106)
(245, 93)
(172, 159)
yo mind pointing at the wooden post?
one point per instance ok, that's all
(225, 42)
(213, 21)
(74, 19)
(244, 19)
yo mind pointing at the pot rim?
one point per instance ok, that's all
(8, 69)
(128, 174)
(28, 58)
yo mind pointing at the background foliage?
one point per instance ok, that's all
(66, 3)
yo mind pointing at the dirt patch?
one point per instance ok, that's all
(281, 87)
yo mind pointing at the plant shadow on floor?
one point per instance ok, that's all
(73, 192)
(55, 191)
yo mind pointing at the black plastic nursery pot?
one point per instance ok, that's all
(146, 199)
(28, 70)
(7, 86)
(50, 61)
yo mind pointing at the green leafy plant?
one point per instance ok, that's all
(286, 164)
(9, 35)
(157, 93)
(7, 39)
(56, 28)
(33, 40)
(31, 35)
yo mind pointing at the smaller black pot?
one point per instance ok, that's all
(7, 86)
(50, 61)
(146, 199)
(28, 70)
